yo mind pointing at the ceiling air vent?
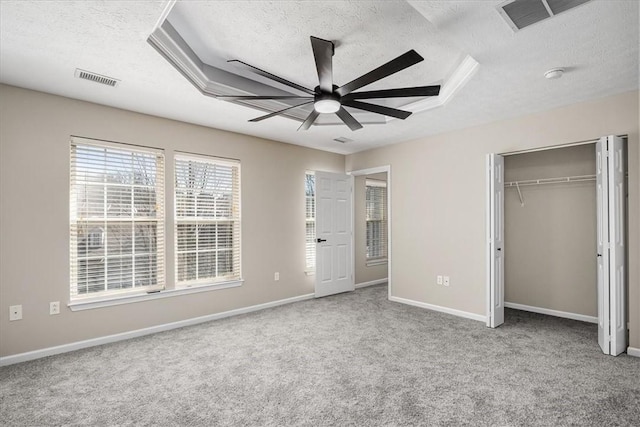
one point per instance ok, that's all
(522, 13)
(97, 78)
(343, 140)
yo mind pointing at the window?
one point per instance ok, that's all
(376, 211)
(207, 220)
(310, 198)
(116, 219)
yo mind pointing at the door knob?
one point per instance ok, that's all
(599, 254)
(319, 240)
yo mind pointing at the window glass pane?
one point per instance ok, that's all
(207, 236)
(225, 235)
(119, 239)
(118, 201)
(186, 237)
(187, 266)
(145, 270)
(145, 235)
(206, 265)
(225, 262)
(119, 272)
(144, 202)
(90, 200)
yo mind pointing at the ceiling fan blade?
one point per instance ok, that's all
(323, 54)
(309, 121)
(400, 63)
(379, 109)
(257, 97)
(274, 77)
(395, 93)
(258, 119)
(348, 119)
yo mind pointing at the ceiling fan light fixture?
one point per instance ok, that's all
(326, 106)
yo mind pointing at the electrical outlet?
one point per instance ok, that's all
(276, 276)
(439, 280)
(446, 280)
(54, 307)
(15, 312)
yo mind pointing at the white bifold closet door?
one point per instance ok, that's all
(611, 252)
(495, 240)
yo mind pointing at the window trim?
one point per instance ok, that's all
(90, 304)
(207, 283)
(160, 221)
(309, 270)
(378, 260)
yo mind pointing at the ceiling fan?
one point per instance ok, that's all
(327, 98)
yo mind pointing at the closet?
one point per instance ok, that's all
(556, 235)
(550, 232)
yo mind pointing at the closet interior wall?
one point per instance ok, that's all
(550, 231)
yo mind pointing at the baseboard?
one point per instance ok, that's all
(540, 310)
(459, 313)
(65, 348)
(371, 283)
(631, 351)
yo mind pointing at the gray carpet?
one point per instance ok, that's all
(351, 359)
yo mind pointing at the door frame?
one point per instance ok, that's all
(592, 142)
(371, 171)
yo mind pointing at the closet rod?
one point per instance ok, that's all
(559, 180)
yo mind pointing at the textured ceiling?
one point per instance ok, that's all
(222, 30)
(41, 44)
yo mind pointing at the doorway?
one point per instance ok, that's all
(549, 214)
(372, 226)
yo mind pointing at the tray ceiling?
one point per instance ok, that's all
(42, 44)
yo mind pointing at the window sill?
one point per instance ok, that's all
(373, 262)
(128, 299)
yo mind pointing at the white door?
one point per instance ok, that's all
(334, 234)
(602, 236)
(495, 240)
(611, 194)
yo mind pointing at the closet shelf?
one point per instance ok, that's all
(559, 180)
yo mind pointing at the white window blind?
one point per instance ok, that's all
(376, 211)
(310, 201)
(207, 220)
(116, 219)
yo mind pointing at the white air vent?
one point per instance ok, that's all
(522, 13)
(343, 140)
(104, 80)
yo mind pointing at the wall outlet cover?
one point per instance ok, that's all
(54, 307)
(15, 312)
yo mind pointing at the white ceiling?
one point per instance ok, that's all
(42, 43)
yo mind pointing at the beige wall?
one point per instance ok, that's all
(363, 272)
(438, 189)
(550, 242)
(34, 217)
